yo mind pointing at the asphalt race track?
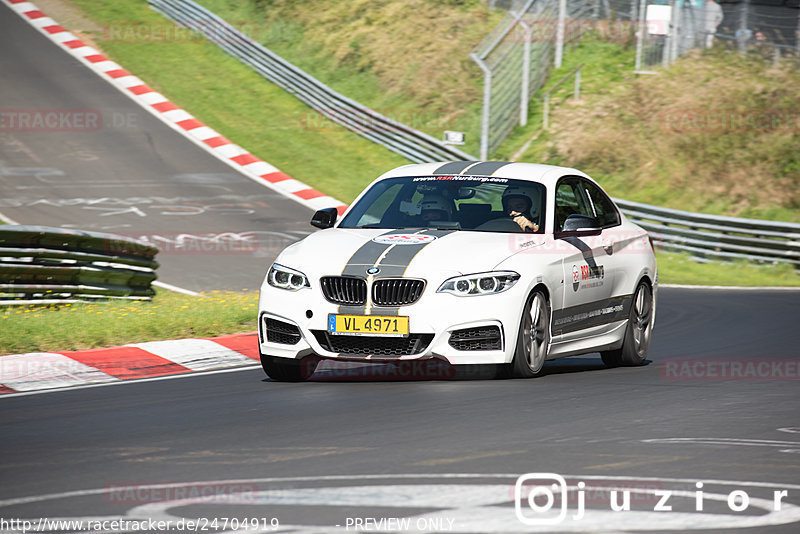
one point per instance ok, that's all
(700, 438)
(131, 174)
(358, 444)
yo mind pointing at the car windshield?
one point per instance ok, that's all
(450, 202)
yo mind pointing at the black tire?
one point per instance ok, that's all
(286, 370)
(533, 338)
(637, 335)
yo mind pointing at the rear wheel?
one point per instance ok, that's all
(533, 338)
(637, 335)
(287, 370)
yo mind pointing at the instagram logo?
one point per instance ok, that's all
(535, 496)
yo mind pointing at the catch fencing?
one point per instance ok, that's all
(38, 263)
(397, 137)
(517, 55)
(671, 28)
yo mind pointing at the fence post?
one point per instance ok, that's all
(640, 34)
(742, 33)
(677, 20)
(562, 15)
(487, 102)
(797, 32)
(526, 75)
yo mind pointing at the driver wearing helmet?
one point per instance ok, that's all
(522, 205)
(434, 208)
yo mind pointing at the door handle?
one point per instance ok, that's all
(609, 248)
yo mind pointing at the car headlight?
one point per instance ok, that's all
(479, 284)
(286, 278)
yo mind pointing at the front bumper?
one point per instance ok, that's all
(461, 330)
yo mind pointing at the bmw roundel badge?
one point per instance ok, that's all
(373, 270)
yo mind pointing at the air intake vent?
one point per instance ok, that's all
(481, 338)
(281, 332)
(396, 291)
(374, 345)
(345, 290)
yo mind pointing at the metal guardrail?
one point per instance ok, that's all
(40, 263)
(400, 138)
(717, 236)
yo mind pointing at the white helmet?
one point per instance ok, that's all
(531, 195)
(435, 202)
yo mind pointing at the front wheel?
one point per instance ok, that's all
(288, 370)
(533, 338)
(637, 334)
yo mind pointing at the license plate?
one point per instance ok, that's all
(368, 325)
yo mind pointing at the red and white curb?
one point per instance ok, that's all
(175, 117)
(35, 371)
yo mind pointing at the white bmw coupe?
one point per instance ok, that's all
(469, 262)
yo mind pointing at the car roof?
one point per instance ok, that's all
(535, 172)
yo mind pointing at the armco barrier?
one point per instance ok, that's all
(716, 236)
(406, 141)
(41, 263)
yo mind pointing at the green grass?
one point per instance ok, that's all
(62, 327)
(674, 268)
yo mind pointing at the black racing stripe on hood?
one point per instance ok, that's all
(487, 168)
(400, 257)
(367, 254)
(397, 260)
(453, 167)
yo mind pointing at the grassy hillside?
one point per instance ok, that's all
(406, 59)
(716, 133)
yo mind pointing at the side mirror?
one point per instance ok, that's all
(578, 226)
(324, 218)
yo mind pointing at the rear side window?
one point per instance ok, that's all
(604, 209)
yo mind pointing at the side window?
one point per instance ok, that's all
(604, 209)
(570, 200)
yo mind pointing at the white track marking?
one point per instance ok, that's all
(7, 220)
(176, 289)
